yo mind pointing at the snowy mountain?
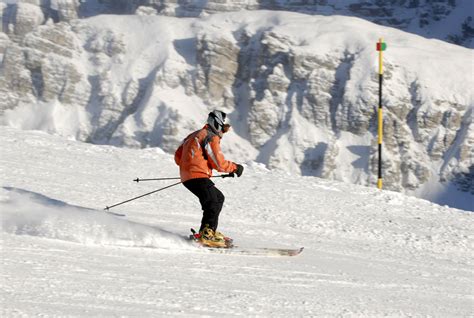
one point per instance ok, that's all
(368, 253)
(301, 102)
(448, 20)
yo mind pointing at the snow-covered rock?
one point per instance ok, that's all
(19, 17)
(449, 20)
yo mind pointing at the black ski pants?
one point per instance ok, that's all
(211, 200)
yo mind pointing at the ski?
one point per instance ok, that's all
(256, 251)
(237, 250)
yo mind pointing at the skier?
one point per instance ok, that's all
(198, 154)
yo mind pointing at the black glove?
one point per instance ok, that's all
(239, 170)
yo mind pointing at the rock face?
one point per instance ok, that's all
(22, 16)
(42, 68)
(303, 102)
(217, 64)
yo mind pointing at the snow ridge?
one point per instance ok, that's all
(29, 213)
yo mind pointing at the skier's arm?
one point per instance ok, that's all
(216, 157)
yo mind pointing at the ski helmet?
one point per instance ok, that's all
(216, 120)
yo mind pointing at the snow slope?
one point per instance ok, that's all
(367, 252)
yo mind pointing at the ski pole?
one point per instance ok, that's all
(230, 175)
(141, 196)
(172, 185)
(155, 179)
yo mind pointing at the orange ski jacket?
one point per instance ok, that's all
(199, 153)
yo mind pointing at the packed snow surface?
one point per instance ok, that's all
(367, 252)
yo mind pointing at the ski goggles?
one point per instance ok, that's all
(226, 128)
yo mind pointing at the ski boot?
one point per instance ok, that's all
(221, 236)
(210, 238)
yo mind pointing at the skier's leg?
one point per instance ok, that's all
(211, 200)
(216, 207)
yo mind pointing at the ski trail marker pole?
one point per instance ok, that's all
(381, 46)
